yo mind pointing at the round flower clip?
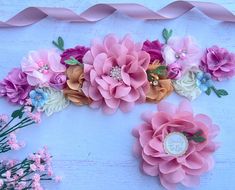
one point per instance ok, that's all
(175, 144)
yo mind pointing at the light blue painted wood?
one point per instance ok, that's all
(93, 151)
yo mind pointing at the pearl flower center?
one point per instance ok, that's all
(115, 73)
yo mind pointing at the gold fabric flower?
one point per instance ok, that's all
(73, 91)
(160, 86)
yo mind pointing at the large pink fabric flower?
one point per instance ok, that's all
(41, 65)
(171, 170)
(219, 63)
(183, 52)
(115, 74)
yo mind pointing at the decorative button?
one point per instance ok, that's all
(175, 144)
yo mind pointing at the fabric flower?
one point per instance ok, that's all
(38, 97)
(15, 87)
(154, 49)
(74, 85)
(187, 86)
(219, 63)
(78, 52)
(160, 87)
(55, 101)
(174, 71)
(115, 74)
(58, 81)
(41, 65)
(187, 168)
(183, 51)
(203, 81)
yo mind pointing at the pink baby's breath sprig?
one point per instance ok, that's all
(20, 118)
(27, 174)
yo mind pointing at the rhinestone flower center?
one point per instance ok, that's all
(43, 68)
(115, 73)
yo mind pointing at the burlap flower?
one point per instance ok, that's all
(73, 90)
(160, 86)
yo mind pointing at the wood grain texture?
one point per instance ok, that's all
(93, 151)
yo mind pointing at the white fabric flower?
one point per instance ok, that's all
(186, 86)
(55, 102)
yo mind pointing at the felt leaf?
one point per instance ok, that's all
(18, 113)
(222, 92)
(72, 61)
(59, 43)
(166, 34)
(208, 91)
(198, 139)
(55, 102)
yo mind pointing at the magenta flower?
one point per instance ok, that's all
(183, 51)
(154, 49)
(41, 65)
(115, 74)
(193, 139)
(219, 63)
(78, 52)
(15, 87)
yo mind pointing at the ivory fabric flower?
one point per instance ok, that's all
(115, 74)
(160, 86)
(55, 101)
(154, 49)
(187, 168)
(187, 86)
(73, 91)
(183, 51)
(41, 65)
(218, 62)
(15, 87)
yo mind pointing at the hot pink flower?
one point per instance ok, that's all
(115, 74)
(41, 65)
(77, 52)
(183, 51)
(219, 63)
(184, 169)
(154, 49)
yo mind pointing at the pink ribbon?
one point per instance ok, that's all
(97, 12)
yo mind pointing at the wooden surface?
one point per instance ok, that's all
(93, 151)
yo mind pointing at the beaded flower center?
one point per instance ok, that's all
(43, 68)
(181, 55)
(115, 73)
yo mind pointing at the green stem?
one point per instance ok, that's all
(215, 90)
(7, 124)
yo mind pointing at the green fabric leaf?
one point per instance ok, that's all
(18, 113)
(208, 91)
(72, 61)
(198, 139)
(161, 70)
(59, 43)
(166, 34)
(222, 92)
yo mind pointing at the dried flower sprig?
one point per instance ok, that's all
(28, 173)
(20, 118)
